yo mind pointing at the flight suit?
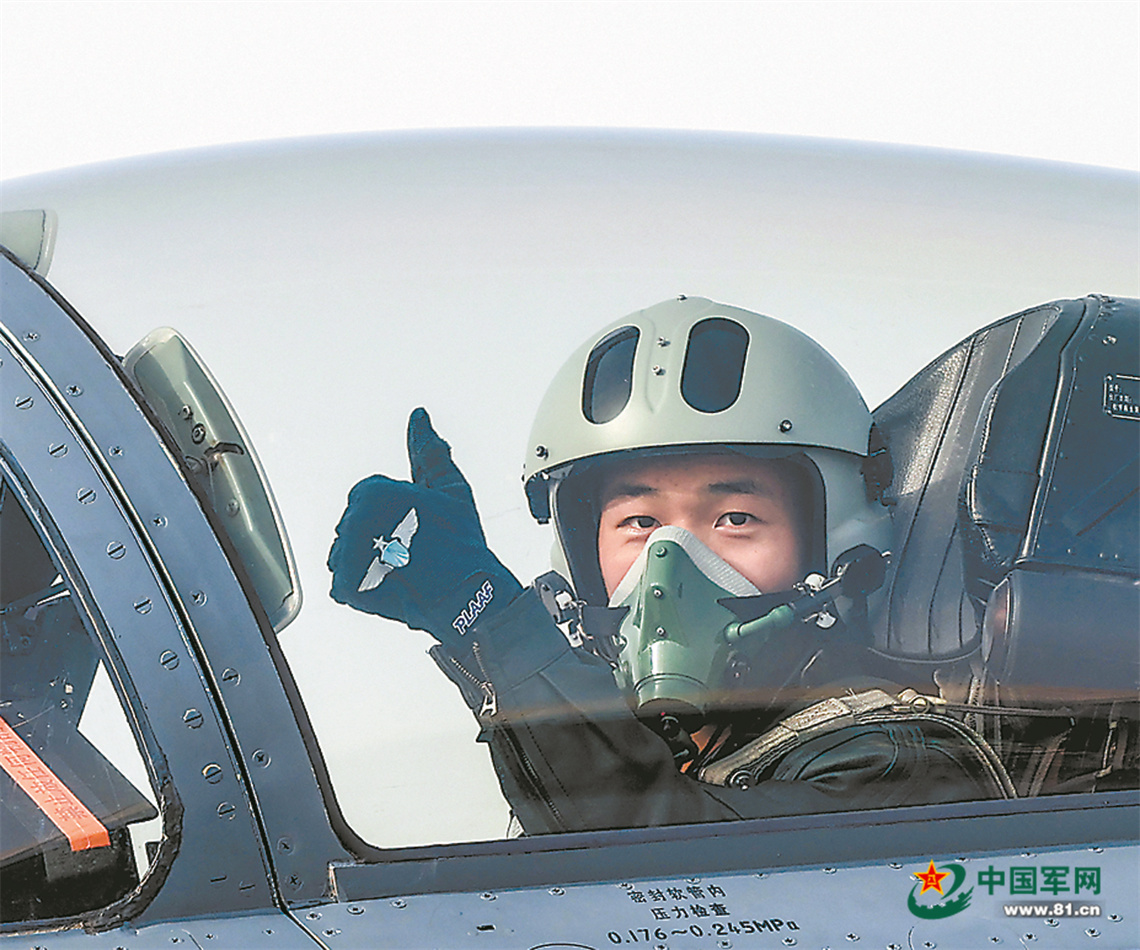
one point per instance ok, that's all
(571, 756)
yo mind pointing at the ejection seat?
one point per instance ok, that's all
(1015, 581)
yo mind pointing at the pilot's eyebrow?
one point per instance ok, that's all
(627, 490)
(745, 486)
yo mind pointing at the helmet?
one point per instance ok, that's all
(691, 375)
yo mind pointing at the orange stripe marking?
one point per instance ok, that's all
(51, 796)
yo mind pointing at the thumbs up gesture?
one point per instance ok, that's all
(415, 552)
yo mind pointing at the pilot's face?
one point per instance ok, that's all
(742, 509)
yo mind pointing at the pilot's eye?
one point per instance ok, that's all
(644, 522)
(736, 518)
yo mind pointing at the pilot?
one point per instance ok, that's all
(716, 490)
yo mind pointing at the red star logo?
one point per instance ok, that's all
(931, 879)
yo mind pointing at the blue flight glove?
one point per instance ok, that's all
(415, 551)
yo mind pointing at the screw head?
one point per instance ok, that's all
(786, 425)
(192, 718)
(212, 773)
(226, 810)
(541, 451)
(168, 659)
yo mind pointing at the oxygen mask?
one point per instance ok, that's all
(672, 644)
(684, 612)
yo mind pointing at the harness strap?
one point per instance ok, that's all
(743, 768)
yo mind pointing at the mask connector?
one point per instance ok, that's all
(856, 574)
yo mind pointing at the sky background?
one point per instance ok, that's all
(89, 81)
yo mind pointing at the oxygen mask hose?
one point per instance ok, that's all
(857, 573)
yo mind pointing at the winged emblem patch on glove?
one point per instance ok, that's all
(394, 551)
